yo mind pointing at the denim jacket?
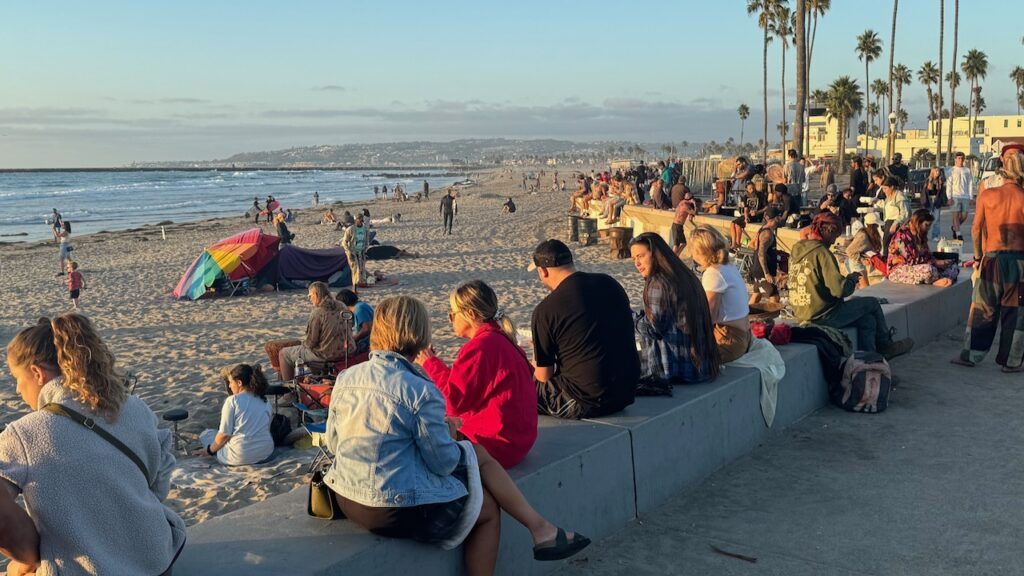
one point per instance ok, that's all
(387, 432)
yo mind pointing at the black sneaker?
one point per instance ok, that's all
(897, 348)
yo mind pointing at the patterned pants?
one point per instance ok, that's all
(997, 303)
(921, 273)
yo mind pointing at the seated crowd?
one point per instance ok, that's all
(401, 418)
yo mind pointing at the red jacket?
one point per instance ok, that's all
(490, 386)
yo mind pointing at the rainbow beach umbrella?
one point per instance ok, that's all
(234, 258)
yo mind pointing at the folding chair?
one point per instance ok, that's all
(323, 456)
(312, 401)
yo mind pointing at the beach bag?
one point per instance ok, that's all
(866, 384)
(321, 502)
(280, 427)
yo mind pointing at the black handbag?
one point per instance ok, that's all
(321, 502)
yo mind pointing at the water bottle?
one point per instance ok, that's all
(300, 369)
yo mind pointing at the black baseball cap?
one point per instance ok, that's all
(772, 212)
(550, 254)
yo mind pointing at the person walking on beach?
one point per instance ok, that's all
(426, 190)
(316, 199)
(256, 210)
(376, 192)
(57, 224)
(76, 283)
(270, 209)
(449, 209)
(384, 192)
(998, 298)
(960, 189)
(355, 241)
(64, 236)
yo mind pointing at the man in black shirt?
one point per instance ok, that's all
(858, 178)
(448, 209)
(899, 169)
(753, 207)
(585, 359)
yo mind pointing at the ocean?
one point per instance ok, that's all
(95, 201)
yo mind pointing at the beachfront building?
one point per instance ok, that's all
(990, 134)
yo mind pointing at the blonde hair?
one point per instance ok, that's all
(710, 244)
(400, 324)
(34, 347)
(478, 300)
(69, 343)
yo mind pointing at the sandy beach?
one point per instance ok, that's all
(177, 347)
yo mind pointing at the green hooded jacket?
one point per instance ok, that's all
(815, 283)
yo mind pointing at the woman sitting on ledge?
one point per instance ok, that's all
(911, 262)
(726, 293)
(677, 342)
(398, 471)
(490, 384)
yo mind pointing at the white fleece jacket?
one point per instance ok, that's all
(89, 501)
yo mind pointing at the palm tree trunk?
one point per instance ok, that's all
(890, 141)
(952, 87)
(742, 122)
(764, 92)
(783, 97)
(867, 98)
(841, 143)
(938, 103)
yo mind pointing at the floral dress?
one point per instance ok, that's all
(911, 263)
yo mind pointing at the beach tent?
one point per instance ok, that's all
(235, 258)
(255, 255)
(297, 267)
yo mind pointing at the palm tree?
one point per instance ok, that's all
(901, 118)
(783, 129)
(843, 101)
(939, 103)
(892, 54)
(781, 27)
(800, 46)
(955, 78)
(975, 67)
(880, 89)
(744, 113)
(765, 11)
(814, 10)
(1017, 75)
(869, 47)
(927, 75)
(901, 76)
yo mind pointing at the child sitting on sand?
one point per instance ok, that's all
(76, 283)
(244, 433)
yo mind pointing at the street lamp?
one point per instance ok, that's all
(892, 135)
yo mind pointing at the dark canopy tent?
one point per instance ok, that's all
(297, 267)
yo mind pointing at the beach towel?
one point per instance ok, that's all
(284, 471)
(470, 513)
(763, 356)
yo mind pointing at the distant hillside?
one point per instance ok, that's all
(471, 152)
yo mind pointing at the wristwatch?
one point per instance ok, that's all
(210, 452)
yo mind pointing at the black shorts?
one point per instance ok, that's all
(74, 294)
(676, 235)
(741, 222)
(427, 523)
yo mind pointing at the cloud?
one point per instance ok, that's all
(172, 101)
(330, 88)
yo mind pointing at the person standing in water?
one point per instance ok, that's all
(448, 209)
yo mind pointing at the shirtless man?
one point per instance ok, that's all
(998, 235)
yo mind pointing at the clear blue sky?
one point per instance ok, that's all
(105, 83)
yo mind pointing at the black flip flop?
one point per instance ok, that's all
(560, 548)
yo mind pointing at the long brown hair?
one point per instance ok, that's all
(917, 228)
(683, 293)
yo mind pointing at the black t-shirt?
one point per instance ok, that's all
(901, 171)
(859, 182)
(754, 202)
(585, 327)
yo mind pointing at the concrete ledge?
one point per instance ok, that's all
(572, 466)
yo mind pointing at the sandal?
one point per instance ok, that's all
(560, 548)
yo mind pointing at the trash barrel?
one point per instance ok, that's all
(588, 231)
(574, 228)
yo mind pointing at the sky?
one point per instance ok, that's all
(102, 83)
